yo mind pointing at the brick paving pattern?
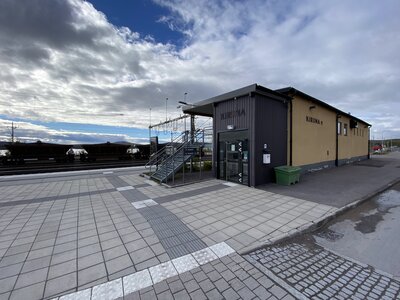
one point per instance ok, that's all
(230, 277)
(69, 232)
(321, 274)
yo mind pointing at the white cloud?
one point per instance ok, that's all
(64, 61)
(27, 132)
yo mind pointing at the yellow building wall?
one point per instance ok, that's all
(356, 141)
(312, 141)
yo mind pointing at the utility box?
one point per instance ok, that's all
(287, 175)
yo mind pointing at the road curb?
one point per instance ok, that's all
(318, 223)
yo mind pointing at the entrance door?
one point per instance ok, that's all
(233, 157)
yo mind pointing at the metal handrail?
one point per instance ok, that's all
(159, 156)
(189, 141)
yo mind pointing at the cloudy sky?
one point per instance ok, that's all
(76, 71)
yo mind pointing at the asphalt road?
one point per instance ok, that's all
(356, 256)
(368, 233)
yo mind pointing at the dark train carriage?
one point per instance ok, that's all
(106, 151)
(22, 152)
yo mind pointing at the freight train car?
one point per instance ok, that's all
(20, 153)
(106, 151)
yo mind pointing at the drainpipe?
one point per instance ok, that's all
(291, 132)
(337, 141)
(369, 142)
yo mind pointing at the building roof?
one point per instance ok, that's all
(205, 107)
(291, 91)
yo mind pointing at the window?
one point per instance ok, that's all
(339, 128)
(344, 129)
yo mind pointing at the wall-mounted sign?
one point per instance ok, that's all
(231, 114)
(314, 120)
(153, 144)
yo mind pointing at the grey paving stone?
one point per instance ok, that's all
(221, 285)
(63, 256)
(176, 251)
(148, 263)
(245, 293)
(261, 292)
(161, 287)
(5, 296)
(230, 294)
(60, 284)
(43, 244)
(31, 292)
(165, 296)
(150, 295)
(206, 285)
(13, 259)
(22, 241)
(18, 249)
(88, 241)
(198, 295)
(64, 247)
(176, 286)
(136, 245)
(214, 294)
(114, 252)
(182, 295)
(32, 277)
(66, 238)
(90, 260)
(91, 274)
(89, 249)
(118, 264)
(7, 284)
(132, 296)
(10, 270)
(142, 255)
(127, 271)
(62, 269)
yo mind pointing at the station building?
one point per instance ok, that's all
(256, 129)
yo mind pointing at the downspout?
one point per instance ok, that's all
(337, 141)
(369, 142)
(291, 132)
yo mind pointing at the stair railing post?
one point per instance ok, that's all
(184, 164)
(200, 160)
(173, 165)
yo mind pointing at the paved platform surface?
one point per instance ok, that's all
(317, 273)
(340, 186)
(92, 232)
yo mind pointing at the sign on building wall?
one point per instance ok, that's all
(314, 120)
(231, 114)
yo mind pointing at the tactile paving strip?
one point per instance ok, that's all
(145, 278)
(137, 281)
(162, 271)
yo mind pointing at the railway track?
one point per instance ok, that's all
(44, 167)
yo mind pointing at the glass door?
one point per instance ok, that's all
(233, 157)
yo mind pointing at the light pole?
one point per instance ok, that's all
(166, 109)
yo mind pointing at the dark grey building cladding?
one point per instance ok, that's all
(265, 119)
(256, 113)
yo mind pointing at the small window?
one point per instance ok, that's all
(344, 129)
(339, 128)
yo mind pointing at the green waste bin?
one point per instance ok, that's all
(287, 175)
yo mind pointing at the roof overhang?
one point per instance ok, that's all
(291, 91)
(205, 107)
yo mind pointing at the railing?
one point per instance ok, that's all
(159, 157)
(174, 163)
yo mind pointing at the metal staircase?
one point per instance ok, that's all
(168, 161)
